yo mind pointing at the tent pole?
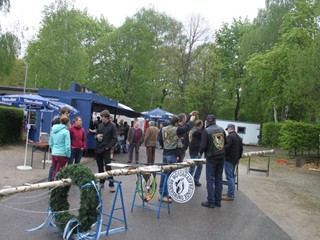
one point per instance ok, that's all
(25, 167)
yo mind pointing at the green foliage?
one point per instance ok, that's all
(16, 76)
(257, 72)
(11, 120)
(283, 77)
(228, 41)
(270, 134)
(88, 212)
(9, 46)
(128, 60)
(298, 136)
(61, 54)
(204, 88)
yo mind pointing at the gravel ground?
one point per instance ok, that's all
(290, 196)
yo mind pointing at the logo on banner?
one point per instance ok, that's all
(181, 186)
(147, 186)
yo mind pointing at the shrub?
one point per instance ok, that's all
(270, 134)
(11, 121)
(298, 136)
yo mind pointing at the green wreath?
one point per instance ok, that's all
(89, 201)
(149, 186)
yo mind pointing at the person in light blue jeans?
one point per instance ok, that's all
(170, 159)
(233, 153)
(195, 171)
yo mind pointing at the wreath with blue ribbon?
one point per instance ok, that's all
(89, 200)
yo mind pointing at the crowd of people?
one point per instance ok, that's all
(221, 151)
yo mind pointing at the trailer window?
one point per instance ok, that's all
(241, 130)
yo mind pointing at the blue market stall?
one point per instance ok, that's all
(87, 102)
(35, 106)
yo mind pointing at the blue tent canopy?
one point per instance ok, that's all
(157, 115)
(24, 101)
(27, 101)
(57, 105)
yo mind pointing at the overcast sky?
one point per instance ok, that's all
(26, 14)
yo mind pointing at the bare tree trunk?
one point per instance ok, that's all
(275, 117)
(236, 111)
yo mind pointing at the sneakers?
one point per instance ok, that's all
(207, 204)
(227, 198)
(112, 189)
(217, 204)
(165, 199)
(197, 184)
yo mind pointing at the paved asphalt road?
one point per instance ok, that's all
(240, 219)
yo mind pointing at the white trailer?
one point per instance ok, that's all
(249, 132)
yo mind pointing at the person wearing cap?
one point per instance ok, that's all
(170, 143)
(106, 138)
(213, 140)
(233, 149)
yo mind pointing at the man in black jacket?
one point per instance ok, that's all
(194, 147)
(234, 151)
(106, 138)
(213, 141)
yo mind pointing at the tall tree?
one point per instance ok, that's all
(9, 45)
(128, 60)
(60, 55)
(276, 70)
(181, 55)
(228, 40)
(204, 90)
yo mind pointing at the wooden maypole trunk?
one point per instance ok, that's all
(116, 172)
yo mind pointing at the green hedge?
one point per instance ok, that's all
(299, 137)
(11, 121)
(293, 136)
(270, 134)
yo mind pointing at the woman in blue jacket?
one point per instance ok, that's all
(60, 145)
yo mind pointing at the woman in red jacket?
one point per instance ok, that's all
(78, 141)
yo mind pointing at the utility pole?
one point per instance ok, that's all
(25, 79)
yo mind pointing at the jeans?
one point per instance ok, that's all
(214, 181)
(76, 155)
(192, 168)
(229, 171)
(166, 160)
(50, 173)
